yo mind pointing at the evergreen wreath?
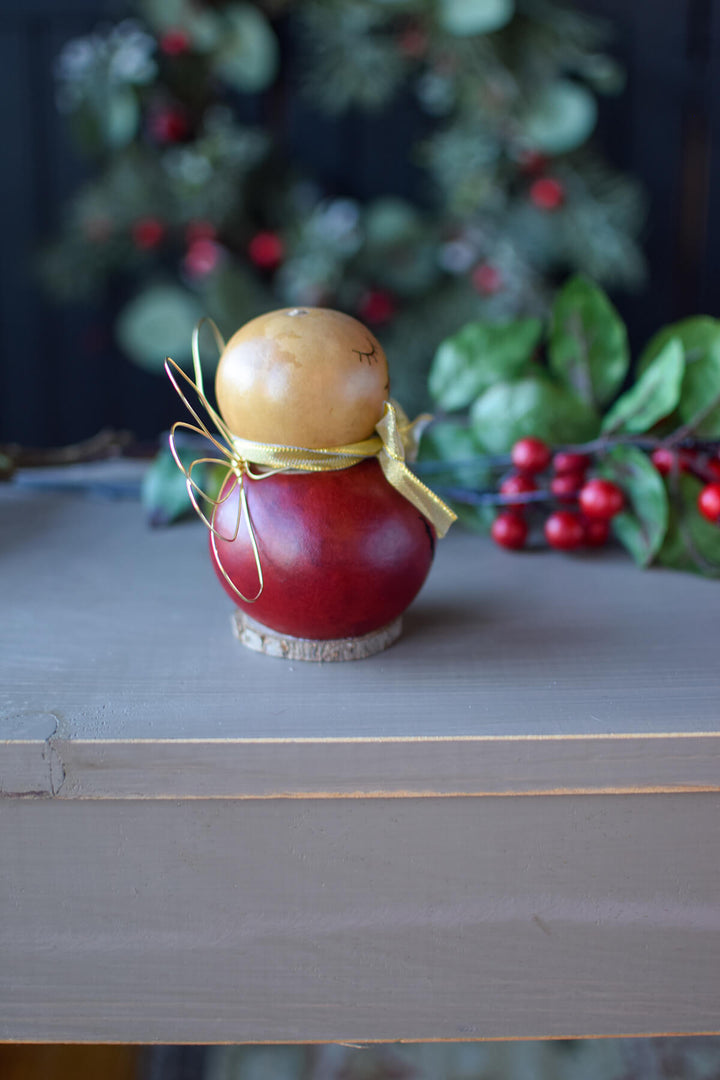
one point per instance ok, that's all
(206, 213)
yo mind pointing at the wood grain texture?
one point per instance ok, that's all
(513, 674)
(246, 769)
(357, 920)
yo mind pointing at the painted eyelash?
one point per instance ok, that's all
(369, 355)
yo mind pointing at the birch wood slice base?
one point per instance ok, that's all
(253, 635)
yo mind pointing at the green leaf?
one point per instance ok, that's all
(463, 18)
(642, 525)
(561, 117)
(533, 405)
(201, 23)
(446, 440)
(120, 118)
(700, 398)
(390, 220)
(692, 543)
(157, 323)
(478, 356)
(698, 336)
(164, 491)
(451, 442)
(654, 395)
(477, 518)
(248, 54)
(588, 345)
(700, 395)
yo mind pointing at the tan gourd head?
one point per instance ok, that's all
(302, 377)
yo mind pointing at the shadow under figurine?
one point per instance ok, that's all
(321, 535)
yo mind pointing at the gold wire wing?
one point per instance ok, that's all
(227, 456)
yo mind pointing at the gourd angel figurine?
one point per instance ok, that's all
(321, 535)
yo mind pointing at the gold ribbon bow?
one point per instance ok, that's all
(397, 438)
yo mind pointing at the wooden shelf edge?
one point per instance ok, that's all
(361, 768)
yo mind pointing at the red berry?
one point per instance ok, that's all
(487, 279)
(566, 486)
(517, 484)
(597, 531)
(709, 503)
(377, 306)
(509, 530)
(547, 193)
(566, 462)
(663, 460)
(266, 250)
(601, 499)
(147, 233)
(168, 125)
(530, 455)
(712, 468)
(564, 530)
(201, 259)
(175, 42)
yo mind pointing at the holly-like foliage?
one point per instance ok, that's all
(654, 438)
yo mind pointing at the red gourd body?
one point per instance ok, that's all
(343, 553)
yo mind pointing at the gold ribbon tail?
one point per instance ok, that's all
(392, 463)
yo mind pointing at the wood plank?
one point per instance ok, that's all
(359, 920)
(374, 768)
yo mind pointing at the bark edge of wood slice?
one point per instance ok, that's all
(253, 635)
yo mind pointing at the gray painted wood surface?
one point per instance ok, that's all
(359, 919)
(514, 673)
(202, 844)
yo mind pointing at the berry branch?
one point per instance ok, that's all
(536, 455)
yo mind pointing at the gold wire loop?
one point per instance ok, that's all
(396, 440)
(219, 341)
(243, 510)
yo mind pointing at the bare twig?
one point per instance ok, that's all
(106, 444)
